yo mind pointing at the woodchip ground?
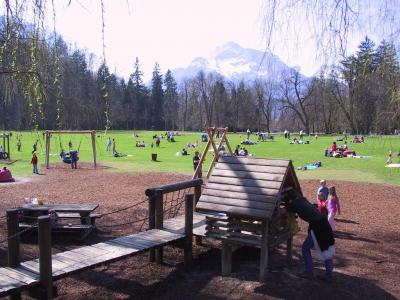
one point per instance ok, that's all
(367, 244)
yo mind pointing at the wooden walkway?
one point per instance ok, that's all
(78, 260)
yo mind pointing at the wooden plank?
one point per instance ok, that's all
(146, 241)
(89, 251)
(251, 168)
(234, 240)
(138, 244)
(136, 247)
(71, 215)
(265, 206)
(109, 246)
(248, 175)
(255, 161)
(7, 276)
(26, 272)
(241, 189)
(8, 284)
(31, 265)
(246, 182)
(233, 210)
(69, 262)
(75, 256)
(23, 275)
(238, 195)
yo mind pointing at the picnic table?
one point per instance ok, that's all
(69, 217)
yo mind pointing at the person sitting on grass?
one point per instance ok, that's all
(389, 158)
(237, 150)
(334, 147)
(184, 152)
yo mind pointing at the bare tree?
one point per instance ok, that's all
(296, 97)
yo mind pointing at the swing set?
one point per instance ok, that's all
(5, 154)
(49, 134)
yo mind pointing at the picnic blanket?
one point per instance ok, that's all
(358, 156)
(393, 166)
(312, 166)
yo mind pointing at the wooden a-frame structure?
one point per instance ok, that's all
(212, 131)
(49, 133)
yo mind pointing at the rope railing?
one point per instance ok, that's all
(125, 208)
(18, 234)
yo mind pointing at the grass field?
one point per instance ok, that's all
(139, 159)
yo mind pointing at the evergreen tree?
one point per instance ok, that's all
(139, 96)
(170, 101)
(157, 99)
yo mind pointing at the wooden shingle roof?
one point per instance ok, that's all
(247, 187)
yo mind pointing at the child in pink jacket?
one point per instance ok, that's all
(333, 207)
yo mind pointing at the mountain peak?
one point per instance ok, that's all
(235, 62)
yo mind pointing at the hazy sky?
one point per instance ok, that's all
(173, 32)
(170, 32)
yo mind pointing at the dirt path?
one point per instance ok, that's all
(366, 264)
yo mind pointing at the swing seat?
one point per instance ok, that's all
(67, 159)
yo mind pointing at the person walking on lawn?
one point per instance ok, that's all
(34, 162)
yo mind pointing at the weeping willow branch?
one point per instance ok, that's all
(105, 94)
(58, 72)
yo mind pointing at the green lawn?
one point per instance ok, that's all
(139, 159)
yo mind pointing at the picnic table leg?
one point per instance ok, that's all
(86, 220)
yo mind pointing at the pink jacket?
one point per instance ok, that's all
(333, 205)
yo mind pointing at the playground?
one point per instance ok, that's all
(366, 263)
(367, 242)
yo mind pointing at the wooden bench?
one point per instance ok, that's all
(83, 229)
(70, 215)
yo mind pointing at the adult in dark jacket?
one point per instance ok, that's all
(320, 234)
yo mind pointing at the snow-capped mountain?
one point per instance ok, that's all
(234, 62)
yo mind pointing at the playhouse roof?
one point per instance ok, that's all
(247, 187)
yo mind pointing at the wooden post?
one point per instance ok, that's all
(45, 264)
(189, 204)
(264, 252)
(197, 194)
(289, 249)
(152, 223)
(48, 135)
(159, 220)
(226, 258)
(8, 147)
(13, 244)
(93, 134)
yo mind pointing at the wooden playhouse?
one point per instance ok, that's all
(242, 201)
